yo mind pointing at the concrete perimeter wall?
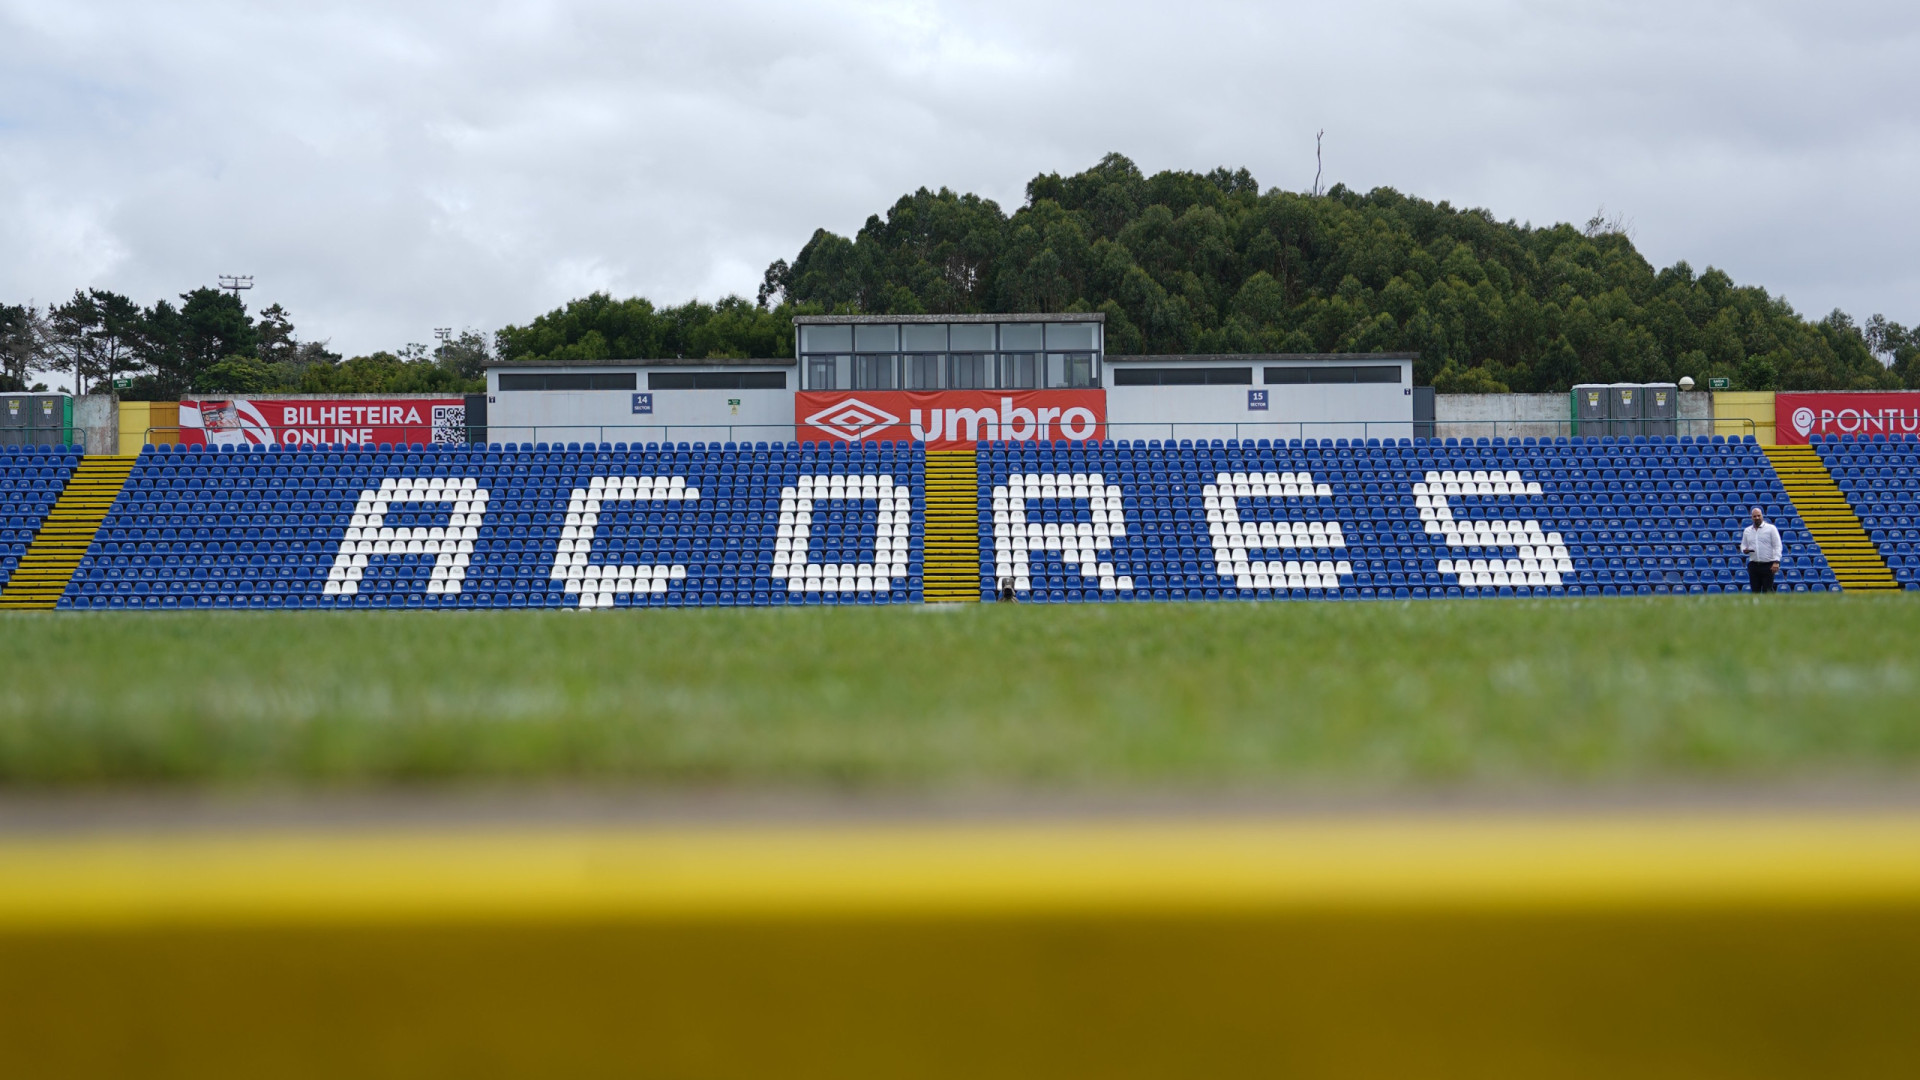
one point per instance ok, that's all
(614, 416)
(1539, 416)
(95, 423)
(1323, 411)
(1464, 416)
(107, 426)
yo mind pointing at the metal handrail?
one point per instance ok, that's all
(78, 439)
(1297, 429)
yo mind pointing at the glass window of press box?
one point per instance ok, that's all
(950, 356)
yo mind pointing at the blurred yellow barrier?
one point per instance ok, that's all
(1558, 947)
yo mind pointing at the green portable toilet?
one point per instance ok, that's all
(1626, 404)
(1591, 411)
(1662, 408)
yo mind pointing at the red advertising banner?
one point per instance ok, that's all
(950, 419)
(317, 421)
(1797, 416)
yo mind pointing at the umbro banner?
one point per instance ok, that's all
(1798, 416)
(950, 419)
(312, 421)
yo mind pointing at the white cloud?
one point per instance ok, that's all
(383, 169)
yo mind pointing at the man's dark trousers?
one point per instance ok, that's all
(1760, 576)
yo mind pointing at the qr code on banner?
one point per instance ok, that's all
(449, 423)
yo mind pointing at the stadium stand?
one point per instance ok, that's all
(1879, 476)
(31, 479)
(612, 525)
(1365, 519)
(605, 525)
(80, 489)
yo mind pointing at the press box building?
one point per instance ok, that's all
(898, 376)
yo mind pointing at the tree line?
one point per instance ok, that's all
(209, 344)
(1179, 262)
(1183, 262)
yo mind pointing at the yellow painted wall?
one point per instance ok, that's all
(1730, 407)
(136, 417)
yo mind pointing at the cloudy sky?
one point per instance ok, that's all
(386, 168)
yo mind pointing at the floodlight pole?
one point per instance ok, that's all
(236, 283)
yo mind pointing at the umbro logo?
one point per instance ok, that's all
(852, 419)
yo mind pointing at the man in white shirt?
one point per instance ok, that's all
(1760, 543)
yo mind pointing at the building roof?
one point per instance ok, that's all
(1259, 358)
(668, 361)
(848, 320)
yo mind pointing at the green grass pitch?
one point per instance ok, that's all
(1116, 696)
